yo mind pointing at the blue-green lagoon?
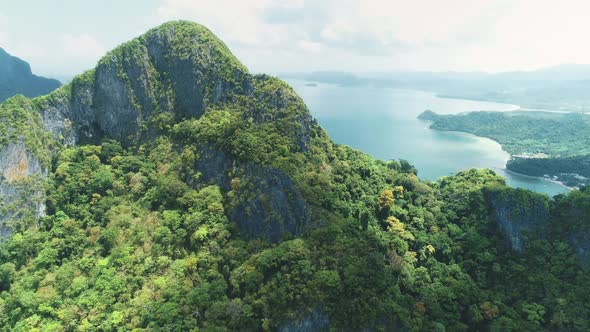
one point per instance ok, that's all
(383, 123)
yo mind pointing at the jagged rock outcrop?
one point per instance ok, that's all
(21, 195)
(179, 67)
(263, 201)
(579, 239)
(272, 106)
(315, 321)
(24, 158)
(16, 78)
(267, 204)
(571, 222)
(519, 213)
(525, 216)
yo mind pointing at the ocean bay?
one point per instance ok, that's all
(383, 123)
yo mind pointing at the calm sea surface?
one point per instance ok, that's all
(383, 123)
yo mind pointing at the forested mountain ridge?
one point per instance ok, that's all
(16, 78)
(170, 189)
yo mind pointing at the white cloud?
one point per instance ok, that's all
(309, 46)
(356, 35)
(81, 46)
(360, 26)
(395, 34)
(235, 21)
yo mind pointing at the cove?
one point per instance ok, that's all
(383, 123)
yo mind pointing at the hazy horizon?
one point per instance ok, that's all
(301, 36)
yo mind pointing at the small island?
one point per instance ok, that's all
(545, 144)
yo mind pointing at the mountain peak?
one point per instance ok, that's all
(184, 40)
(179, 82)
(179, 68)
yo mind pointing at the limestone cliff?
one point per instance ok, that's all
(24, 158)
(178, 71)
(519, 213)
(524, 216)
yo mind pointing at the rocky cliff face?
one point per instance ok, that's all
(16, 78)
(24, 159)
(519, 214)
(174, 72)
(571, 214)
(579, 239)
(179, 68)
(264, 201)
(21, 195)
(524, 216)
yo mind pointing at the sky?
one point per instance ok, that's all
(61, 38)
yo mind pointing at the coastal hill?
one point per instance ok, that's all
(170, 189)
(544, 144)
(16, 78)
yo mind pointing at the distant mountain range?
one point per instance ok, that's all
(563, 87)
(16, 77)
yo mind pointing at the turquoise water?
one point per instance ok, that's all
(383, 123)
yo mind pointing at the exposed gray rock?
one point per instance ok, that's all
(273, 105)
(81, 111)
(186, 79)
(580, 241)
(139, 79)
(182, 69)
(266, 204)
(518, 213)
(524, 215)
(214, 165)
(56, 117)
(21, 195)
(113, 107)
(263, 202)
(316, 321)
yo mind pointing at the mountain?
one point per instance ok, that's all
(16, 78)
(170, 189)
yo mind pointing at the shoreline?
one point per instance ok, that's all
(509, 154)
(539, 177)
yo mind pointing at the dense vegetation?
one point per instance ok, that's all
(541, 143)
(16, 78)
(154, 234)
(128, 244)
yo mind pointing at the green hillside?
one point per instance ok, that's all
(182, 193)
